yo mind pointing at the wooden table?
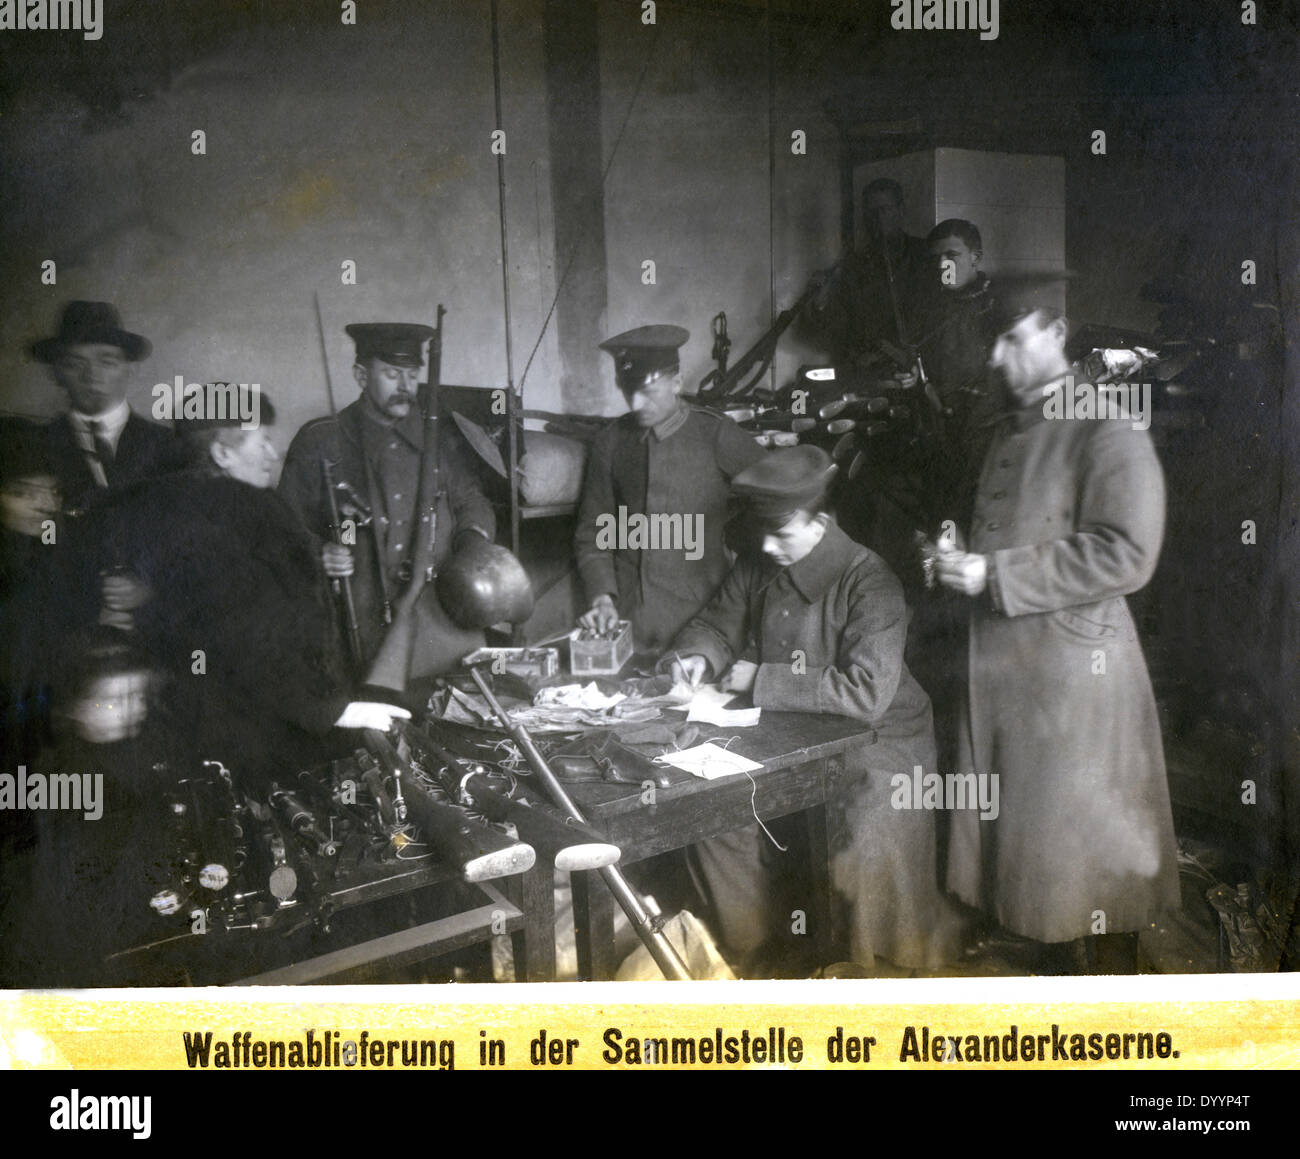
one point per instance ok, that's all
(803, 763)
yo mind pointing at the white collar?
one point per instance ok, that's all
(111, 421)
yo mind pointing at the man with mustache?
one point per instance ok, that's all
(375, 447)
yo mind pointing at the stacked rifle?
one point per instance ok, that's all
(858, 421)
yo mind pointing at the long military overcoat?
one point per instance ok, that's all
(1070, 513)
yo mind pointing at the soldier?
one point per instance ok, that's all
(99, 442)
(665, 458)
(375, 447)
(1068, 520)
(877, 289)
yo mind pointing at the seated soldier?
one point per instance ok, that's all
(827, 624)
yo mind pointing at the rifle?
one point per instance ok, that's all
(478, 851)
(646, 926)
(567, 843)
(341, 586)
(392, 663)
(719, 385)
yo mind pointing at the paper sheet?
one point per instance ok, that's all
(709, 761)
(708, 706)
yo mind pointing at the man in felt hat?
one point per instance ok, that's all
(1068, 520)
(814, 622)
(375, 447)
(649, 540)
(99, 442)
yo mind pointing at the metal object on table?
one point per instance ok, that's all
(481, 852)
(648, 928)
(567, 843)
(591, 654)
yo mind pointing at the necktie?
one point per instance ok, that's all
(103, 448)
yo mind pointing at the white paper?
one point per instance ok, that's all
(709, 761)
(708, 706)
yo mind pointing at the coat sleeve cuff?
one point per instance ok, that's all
(994, 583)
(693, 641)
(777, 686)
(598, 578)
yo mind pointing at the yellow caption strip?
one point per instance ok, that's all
(1050, 1024)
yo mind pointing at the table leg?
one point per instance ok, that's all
(534, 945)
(826, 937)
(593, 926)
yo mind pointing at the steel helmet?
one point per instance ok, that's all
(484, 584)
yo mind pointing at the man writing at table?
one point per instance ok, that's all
(825, 622)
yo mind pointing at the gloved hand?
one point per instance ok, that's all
(371, 714)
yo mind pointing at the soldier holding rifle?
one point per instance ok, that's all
(374, 448)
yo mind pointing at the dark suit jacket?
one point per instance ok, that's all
(144, 451)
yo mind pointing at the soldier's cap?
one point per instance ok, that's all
(234, 403)
(645, 354)
(782, 482)
(1017, 295)
(397, 343)
(92, 323)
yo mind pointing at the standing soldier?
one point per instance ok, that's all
(374, 449)
(1068, 520)
(665, 457)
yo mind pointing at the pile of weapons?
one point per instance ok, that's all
(280, 860)
(855, 420)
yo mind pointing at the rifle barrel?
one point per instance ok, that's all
(647, 929)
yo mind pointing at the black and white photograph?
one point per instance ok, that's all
(503, 491)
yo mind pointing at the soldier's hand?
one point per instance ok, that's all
(337, 560)
(689, 670)
(371, 714)
(962, 571)
(602, 616)
(906, 378)
(740, 677)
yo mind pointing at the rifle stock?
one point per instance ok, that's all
(480, 852)
(568, 844)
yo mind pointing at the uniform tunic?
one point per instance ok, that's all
(684, 466)
(1070, 514)
(365, 449)
(843, 610)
